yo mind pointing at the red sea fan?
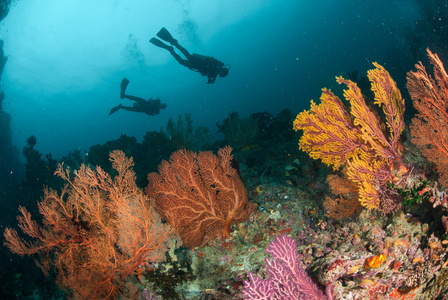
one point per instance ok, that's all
(200, 195)
(429, 129)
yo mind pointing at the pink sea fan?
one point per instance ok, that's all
(287, 279)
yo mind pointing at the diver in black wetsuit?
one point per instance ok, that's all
(206, 65)
(150, 107)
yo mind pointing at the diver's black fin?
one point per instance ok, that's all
(165, 35)
(161, 44)
(115, 109)
(124, 85)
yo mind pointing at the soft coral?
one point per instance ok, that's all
(200, 195)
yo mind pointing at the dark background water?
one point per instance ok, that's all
(66, 59)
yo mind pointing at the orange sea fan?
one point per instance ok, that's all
(347, 203)
(429, 129)
(354, 136)
(200, 195)
(95, 233)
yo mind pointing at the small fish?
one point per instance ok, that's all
(365, 283)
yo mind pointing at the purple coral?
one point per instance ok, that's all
(287, 279)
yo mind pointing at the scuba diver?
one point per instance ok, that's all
(150, 107)
(206, 65)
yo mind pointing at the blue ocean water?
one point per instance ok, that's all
(66, 60)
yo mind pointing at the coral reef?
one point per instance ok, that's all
(102, 236)
(429, 128)
(358, 140)
(183, 135)
(39, 172)
(95, 233)
(200, 195)
(287, 278)
(347, 203)
(155, 147)
(239, 133)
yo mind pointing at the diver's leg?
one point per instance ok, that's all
(182, 61)
(124, 85)
(160, 44)
(115, 109)
(165, 35)
(128, 108)
(139, 100)
(183, 50)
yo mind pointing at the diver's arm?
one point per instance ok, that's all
(212, 74)
(211, 79)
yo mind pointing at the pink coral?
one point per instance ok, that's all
(287, 279)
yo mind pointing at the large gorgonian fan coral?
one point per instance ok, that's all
(355, 136)
(200, 194)
(430, 127)
(95, 232)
